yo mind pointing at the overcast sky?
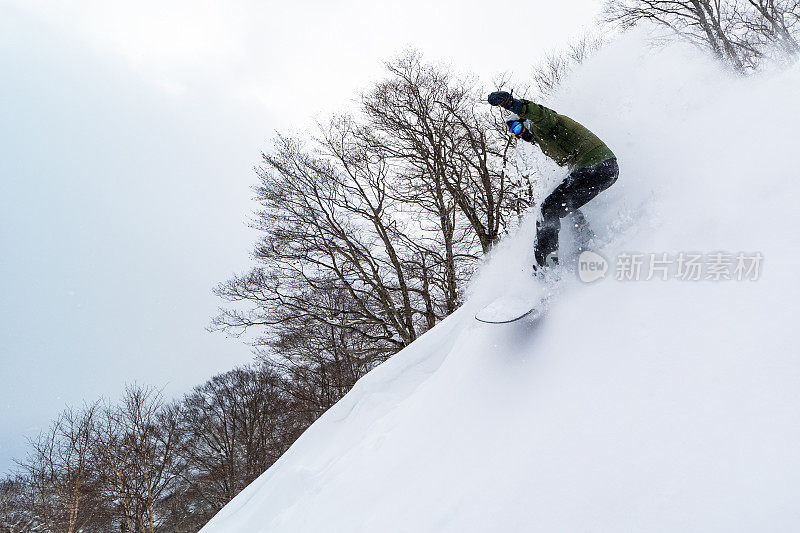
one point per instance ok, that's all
(128, 133)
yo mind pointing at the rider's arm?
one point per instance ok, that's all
(542, 117)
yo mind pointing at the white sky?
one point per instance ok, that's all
(128, 135)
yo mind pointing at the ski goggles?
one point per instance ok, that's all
(516, 128)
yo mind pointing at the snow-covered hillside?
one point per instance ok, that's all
(633, 406)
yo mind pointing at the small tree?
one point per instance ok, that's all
(551, 72)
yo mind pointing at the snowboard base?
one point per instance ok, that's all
(507, 309)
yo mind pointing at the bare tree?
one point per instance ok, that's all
(332, 291)
(412, 126)
(774, 24)
(136, 452)
(328, 254)
(235, 426)
(371, 229)
(738, 32)
(449, 154)
(61, 476)
(142, 465)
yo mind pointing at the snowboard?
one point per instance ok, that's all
(530, 303)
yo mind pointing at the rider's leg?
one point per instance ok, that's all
(581, 185)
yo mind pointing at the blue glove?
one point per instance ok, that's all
(506, 100)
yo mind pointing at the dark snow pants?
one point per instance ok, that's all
(581, 185)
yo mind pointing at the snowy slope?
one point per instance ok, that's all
(638, 406)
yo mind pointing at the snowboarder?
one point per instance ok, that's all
(593, 166)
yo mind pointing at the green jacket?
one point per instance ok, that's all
(565, 141)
